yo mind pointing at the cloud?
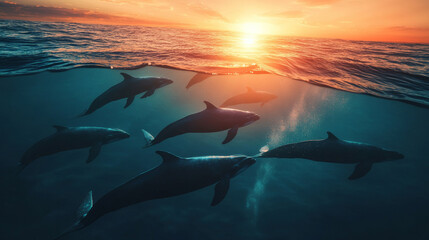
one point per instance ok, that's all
(129, 1)
(206, 11)
(146, 4)
(284, 14)
(407, 29)
(134, 2)
(11, 10)
(318, 2)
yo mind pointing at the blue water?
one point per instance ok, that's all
(397, 71)
(273, 199)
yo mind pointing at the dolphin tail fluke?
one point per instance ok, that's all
(148, 137)
(83, 210)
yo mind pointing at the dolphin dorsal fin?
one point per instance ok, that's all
(127, 76)
(331, 136)
(167, 157)
(249, 89)
(60, 128)
(209, 105)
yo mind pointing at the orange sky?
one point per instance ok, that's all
(376, 20)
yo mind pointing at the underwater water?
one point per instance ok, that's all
(274, 198)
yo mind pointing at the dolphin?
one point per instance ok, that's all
(174, 176)
(70, 138)
(128, 88)
(335, 150)
(212, 119)
(199, 77)
(251, 96)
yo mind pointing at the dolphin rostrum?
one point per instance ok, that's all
(212, 119)
(175, 176)
(335, 150)
(251, 96)
(70, 138)
(128, 88)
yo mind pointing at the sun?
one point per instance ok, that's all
(252, 28)
(249, 40)
(250, 32)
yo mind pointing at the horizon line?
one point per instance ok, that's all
(188, 26)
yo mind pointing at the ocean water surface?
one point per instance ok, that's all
(274, 199)
(393, 70)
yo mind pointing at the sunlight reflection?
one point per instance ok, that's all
(249, 40)
(250, 33)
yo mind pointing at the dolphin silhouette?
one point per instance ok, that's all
(335, 150)
(251, 96)
(175, 176)
(70, 138)
(128, 88)
(212, 119)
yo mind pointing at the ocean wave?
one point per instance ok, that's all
(398, 71)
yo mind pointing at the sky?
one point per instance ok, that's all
(376, 20)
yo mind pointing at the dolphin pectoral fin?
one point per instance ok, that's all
(221, 189)
(361, 170)
(129, 101)
(262, 104)
(148, 93)
(93, 152)
(231, 134)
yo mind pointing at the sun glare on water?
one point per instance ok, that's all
(248, 40)
(250, 33)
